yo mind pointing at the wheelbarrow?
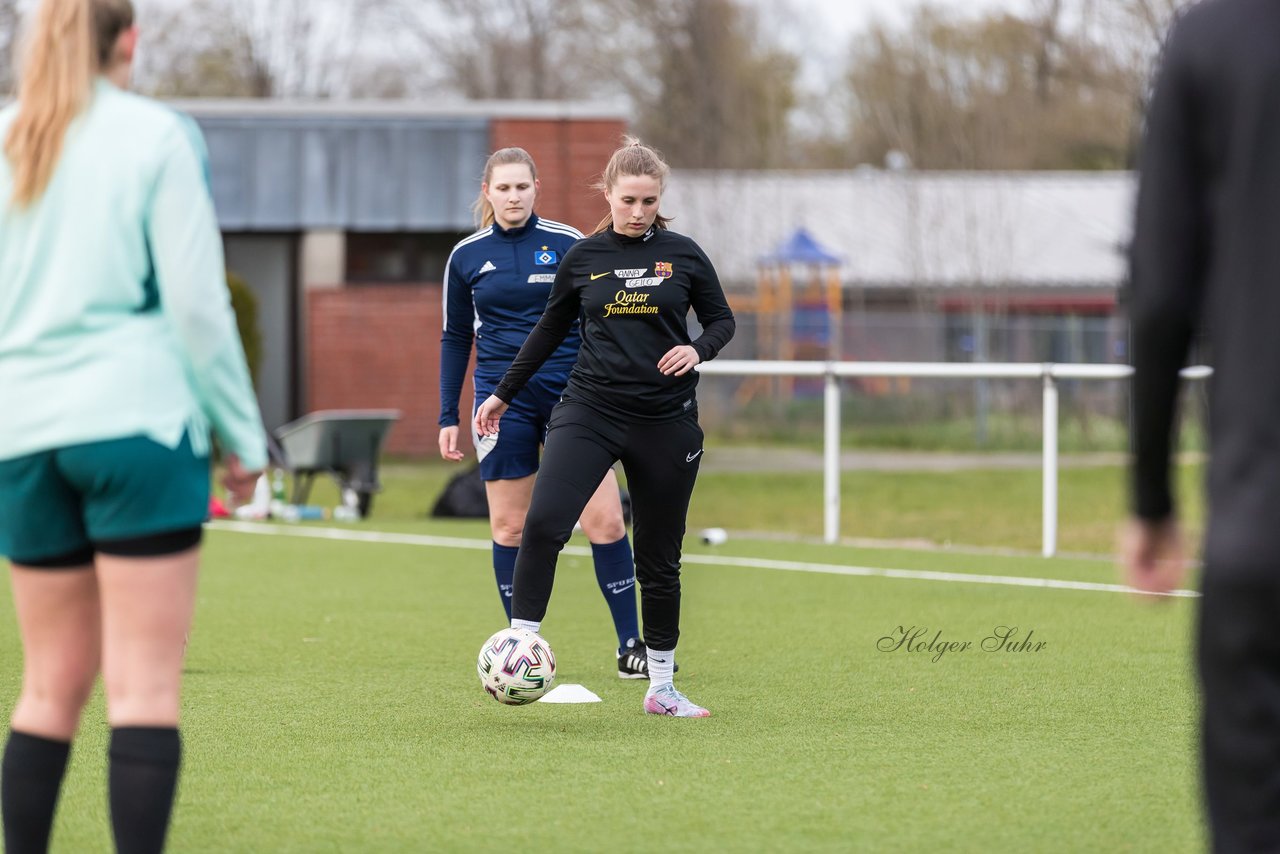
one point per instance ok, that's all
(343, 443)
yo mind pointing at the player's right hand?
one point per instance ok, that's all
(1152, 555)
(486, 420)
(239, 482)
(449, 443)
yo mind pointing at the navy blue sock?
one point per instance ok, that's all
(616, 575)
(29, 783)
(504, 570)
(142, 780)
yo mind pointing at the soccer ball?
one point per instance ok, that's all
(516, 666)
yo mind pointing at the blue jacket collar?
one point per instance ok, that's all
(516, 233)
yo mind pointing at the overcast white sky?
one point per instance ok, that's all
(847, 16)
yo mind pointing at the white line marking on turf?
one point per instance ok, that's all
(925, 575)
(360, 536)
(345, 534)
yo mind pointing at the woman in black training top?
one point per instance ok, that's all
(630, 398)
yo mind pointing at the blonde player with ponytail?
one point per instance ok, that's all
(118, 356)
(630, 398)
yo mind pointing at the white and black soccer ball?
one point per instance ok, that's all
(516, 666)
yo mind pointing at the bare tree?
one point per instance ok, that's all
(519, 49)
(1133, 31)
(1047, 18)
(706, 84)
(9, 19)
(1152, 17)
(258, 48)
(304, 47)
(997, 92)
(195, 50)
(720, 95)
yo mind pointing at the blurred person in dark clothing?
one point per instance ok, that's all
(1206, 260)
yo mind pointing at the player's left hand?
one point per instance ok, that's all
(679, 360)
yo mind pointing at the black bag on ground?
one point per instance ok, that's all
(463, 497)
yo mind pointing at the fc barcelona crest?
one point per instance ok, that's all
(662, 269)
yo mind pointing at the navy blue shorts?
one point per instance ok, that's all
(513, 453)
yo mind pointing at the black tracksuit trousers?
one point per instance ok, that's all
(661, 463)
(1239, 668)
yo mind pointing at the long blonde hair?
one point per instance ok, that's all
(634, 158)
(70, 42)
(482, 208)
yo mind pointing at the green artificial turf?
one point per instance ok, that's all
(331, 704)
(989, 508)
(993, 508)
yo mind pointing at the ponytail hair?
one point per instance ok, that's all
(482, 208)
(69, 43)
(633, 159)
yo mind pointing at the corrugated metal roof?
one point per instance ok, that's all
(941, 229)
(357, 165)
(439, 109)
(371, 173)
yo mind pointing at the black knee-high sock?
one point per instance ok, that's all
(29, 783)
(143, 778)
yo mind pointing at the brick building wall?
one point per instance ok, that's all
(571, 154)
(378, 347)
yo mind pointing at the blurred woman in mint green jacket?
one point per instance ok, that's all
(118, 356)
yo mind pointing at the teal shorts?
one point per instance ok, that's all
(59, 507)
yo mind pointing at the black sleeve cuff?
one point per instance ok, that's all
(1153, 509)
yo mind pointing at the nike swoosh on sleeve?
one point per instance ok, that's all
(595, 276)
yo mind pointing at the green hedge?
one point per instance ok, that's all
(245, 303)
